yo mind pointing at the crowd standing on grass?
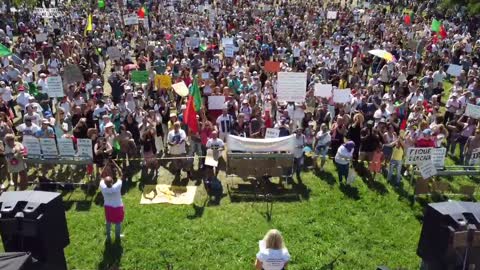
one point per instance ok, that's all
(405, 101)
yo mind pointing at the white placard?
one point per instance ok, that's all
(332, 15)
(46, 12)
(65, 147)
(55, 87)
(416, 155)
(131, 19)
(216, 102)
(84, 148)
(210, 160)
(114, 53)
(341, 95)
(205, 75)
(472, 111)
(33, 146)
(229, 50)
(41, 37)
(323, 90)
(427, 169)
(194, 43)
(227, 41)
(49, 147)
(454, 70)
(272, 133)
(292, 86)
(475, 157)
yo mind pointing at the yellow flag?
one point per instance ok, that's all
(89, 24)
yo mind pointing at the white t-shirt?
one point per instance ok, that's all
(179, 148)
(273, 259)
(112, 196)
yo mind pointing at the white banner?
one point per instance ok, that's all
(84, 148)
(65, 147)
(49, 147)
(417, 155)
(235, 143)
(472, 111)
(292, 86)
(33, 146)
(55, 87)
(323, 90)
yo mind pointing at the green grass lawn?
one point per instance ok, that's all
(373, 222)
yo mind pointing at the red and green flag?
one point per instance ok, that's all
(190, 115)
(195, 93)
(443, 32)
(142, 12)
(436, 24)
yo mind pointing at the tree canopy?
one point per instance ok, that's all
(471, 6)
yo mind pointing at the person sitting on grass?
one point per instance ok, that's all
(273, 254)
(114, 211)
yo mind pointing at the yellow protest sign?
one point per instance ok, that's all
(163, 81)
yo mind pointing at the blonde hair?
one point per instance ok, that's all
(273, 240)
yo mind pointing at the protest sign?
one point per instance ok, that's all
(72, 74)
(131, 19)
(331, 15)
(210, 160)
(416, 155)
(454, 70)
(472, 111)
(323, 90)
(427, 169)
(33, 146)
(205, 75)
(140, 76)
(341, 95)
(65, 147)
(46, 12)
(227, 41)
(271, 66)
(272, 133)
(163, 81)
(194, 43)
(49, 147)
(114, 53)
(216, 102)
(475, 157)
(292, 86)
(180, 88)
(229, 51)
(41, 37)
(55, 86)
(84, 148)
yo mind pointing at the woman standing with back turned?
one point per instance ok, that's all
(273, 254)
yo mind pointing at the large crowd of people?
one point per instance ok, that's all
(395, 103)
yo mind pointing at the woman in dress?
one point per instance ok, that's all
(14, 152)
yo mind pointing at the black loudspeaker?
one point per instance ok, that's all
(450, 237)
(35, 222)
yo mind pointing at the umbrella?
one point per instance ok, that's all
(383, 54)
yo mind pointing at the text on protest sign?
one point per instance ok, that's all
(292, 86)
(341, 95)
(49, 147)
(472, 111)
(229, 51)
(216, 102)
(332, 15)
(323, 90)
(272, 133)
(84, 148)
(427, 169)
(65, 147)
(33, 146)
(55, 87)
(475, 157)
(416, 155)
(131, 19)
(163, 81)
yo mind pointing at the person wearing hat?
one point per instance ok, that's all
(45, 130)
(452, 106)
(426, 140)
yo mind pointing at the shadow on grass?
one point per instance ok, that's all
(326, 176)
(112, 255)
(302, 190)
(198, 210)
(350, 191)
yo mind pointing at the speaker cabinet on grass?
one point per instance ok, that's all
(35, 222)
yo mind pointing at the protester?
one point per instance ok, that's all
(114, 210)
(343, 158)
